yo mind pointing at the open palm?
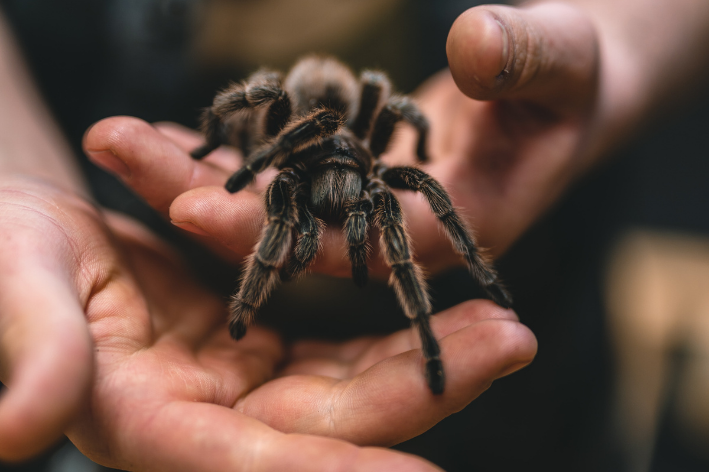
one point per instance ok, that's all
(172, 391)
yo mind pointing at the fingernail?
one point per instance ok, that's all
(191, 227)
(109, 161)
(505, 48)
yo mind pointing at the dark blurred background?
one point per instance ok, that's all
(164, 59)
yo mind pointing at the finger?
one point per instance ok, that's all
(236, 221)
(187, 139)
(233, 221)
(141, 155)
(443, 324)
(187, 436)
(390, 401)
(341, 353)
(358, 355)
(47, 357)
(226, 158)
(545, 53)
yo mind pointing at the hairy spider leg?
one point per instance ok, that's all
(398, 108)
(356, 229)
(304, 132)
(260, 89)
(261, 271)
(411, 178)
(407, 279)
(309, 229)
(375, 89)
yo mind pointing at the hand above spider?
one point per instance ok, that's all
(171, 390)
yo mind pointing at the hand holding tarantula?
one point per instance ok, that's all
(504, 161)
(154, 381)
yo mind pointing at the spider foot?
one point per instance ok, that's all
(237, 329)
(435, 376)
(240, 179)
(240, 313)
(201, 152)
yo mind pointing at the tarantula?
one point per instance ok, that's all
(325, 132)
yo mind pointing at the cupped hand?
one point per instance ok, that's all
(168, 389)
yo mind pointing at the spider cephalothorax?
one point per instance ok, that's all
(325, 132)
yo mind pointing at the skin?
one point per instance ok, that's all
(105, 337)
(42, 347)
(535, 97)
(172, 390)
(579, 80)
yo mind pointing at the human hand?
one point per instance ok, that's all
(538, 95)
(171, 389)
(514, 122)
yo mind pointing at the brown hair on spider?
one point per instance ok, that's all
(325, 130)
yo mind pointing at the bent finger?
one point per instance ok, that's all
(224, 157)
(187, 139)
(232, 221)
(391, 401)
(47, 357)
(545, 53)
(236, 221)
(197, 436)
(142, 155)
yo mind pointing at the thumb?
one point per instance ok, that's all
(45, 344)
(46, 353)
(546, 54)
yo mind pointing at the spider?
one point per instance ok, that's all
(325, 131)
